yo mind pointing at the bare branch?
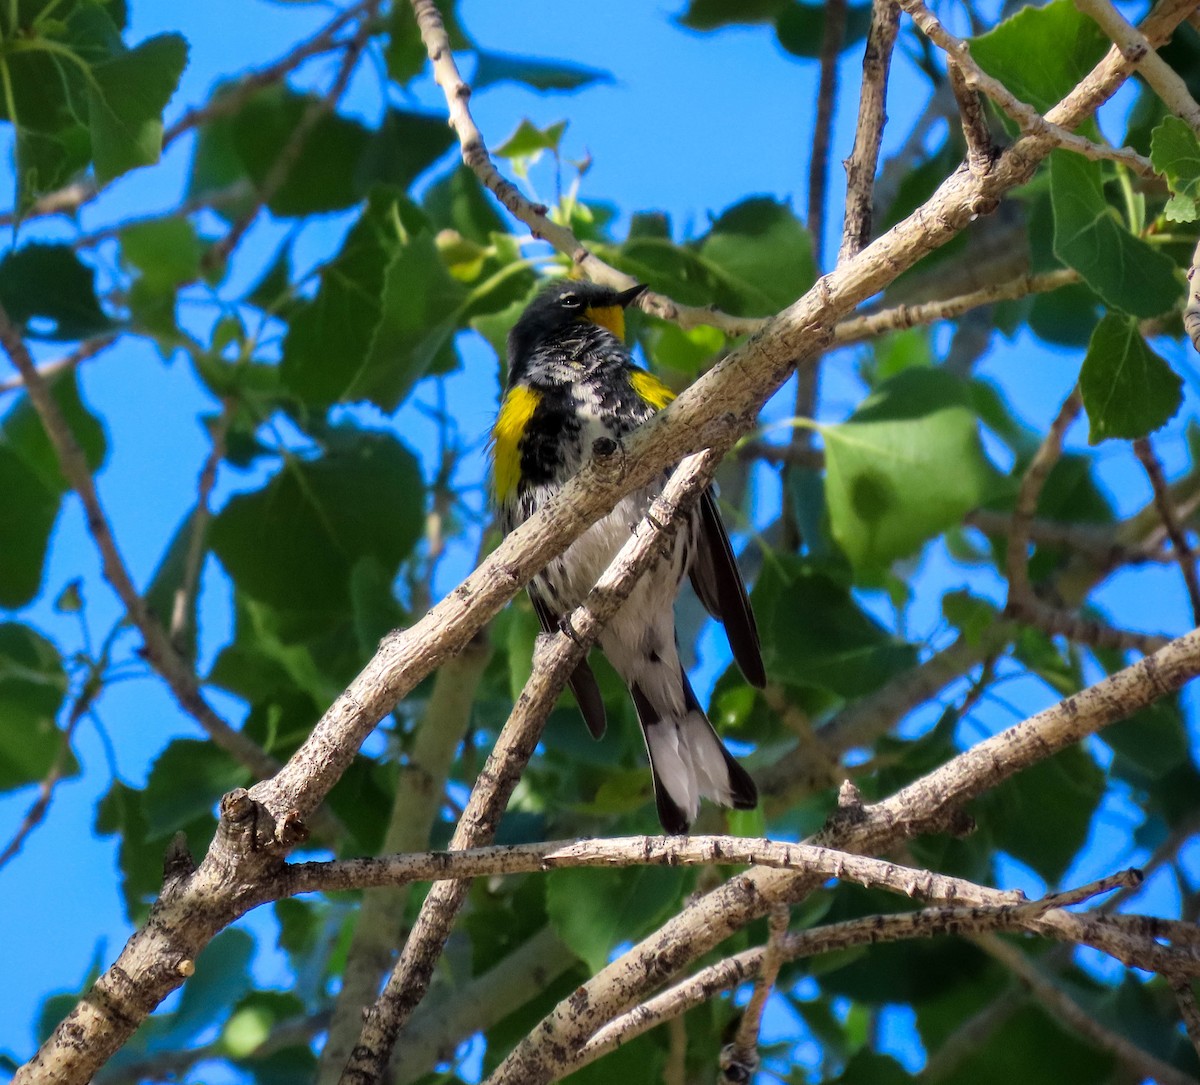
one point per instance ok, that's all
(476, 157)
(1191, 312)
(739, 1059)
(89, 348)
(420, 790)
(1020, 591)
(1031, 122)
(1163, 79)
(552, 666)
(1065, 1009)
(872, 116)
(980, 149)
(1185, 997)
(1162, 500)
(160, 652)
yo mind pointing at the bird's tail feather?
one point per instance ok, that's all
(689, 761)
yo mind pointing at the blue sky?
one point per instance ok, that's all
(690, 125)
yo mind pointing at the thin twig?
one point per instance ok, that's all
(89, 348)
(856, 329)
(832, 37)
(1185, 997)
(183, 605)
(92, 687)
(739, 1059)
(161, 654)
(872, 116)
(1020, 590)
(1030, 121)
(1175, 532)
(980, 150)
(1163, 79)
(1065, 1009)
(289, 155)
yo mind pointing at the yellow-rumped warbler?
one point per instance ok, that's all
(572, 380)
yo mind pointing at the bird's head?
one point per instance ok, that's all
(566, 303)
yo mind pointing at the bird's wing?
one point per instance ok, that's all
(582, 681)
(718, 583)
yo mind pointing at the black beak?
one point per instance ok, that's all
(633, 293)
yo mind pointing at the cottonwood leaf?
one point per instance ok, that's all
(1128, 390)
(904, 467)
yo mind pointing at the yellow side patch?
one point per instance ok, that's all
(611, 317)
(650, 389)
(515, 412)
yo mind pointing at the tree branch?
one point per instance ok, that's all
(1030, 121)
(1162, 501)
(872, 116)
(552, 666)
(1163, 80)
(419, 794)
(159, 650)
(718, 406)
(1065, 1009)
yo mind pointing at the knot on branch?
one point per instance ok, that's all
(247, 827)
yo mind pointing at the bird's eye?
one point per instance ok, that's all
(569, 301)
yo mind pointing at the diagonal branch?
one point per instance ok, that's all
(1030, 121)
(872, 115)
(553, 664)
(1175, 532)
(720, 406)
(1163, 79)
(159, 650)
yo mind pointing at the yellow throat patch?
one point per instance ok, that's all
(611, 317)
(515, 412)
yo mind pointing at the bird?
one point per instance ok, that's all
(571, 382)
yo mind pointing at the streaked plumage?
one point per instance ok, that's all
(571, 381)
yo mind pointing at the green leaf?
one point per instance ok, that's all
(712, 14)
(45, 162)
(529, 139)
(385, 310)
(405, 146)
(294, 543)
(404, 53)
(168, 578)
(125, 104)
(1128, 390)
(419, 308)
(185, 782)
(324, 175)
(166, 251)
(594, 910)
(492, 68)
(904, 467)
(22, 431)
(32, 485)
(1040, 54)
(51, 292)
(764, 253)
(1175, 152)
(1150, 744)
(32, 687)
(458, 201)
(1063, 791)
(800, 28)
(28, 510)
(813, 633)
(1125, 271)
